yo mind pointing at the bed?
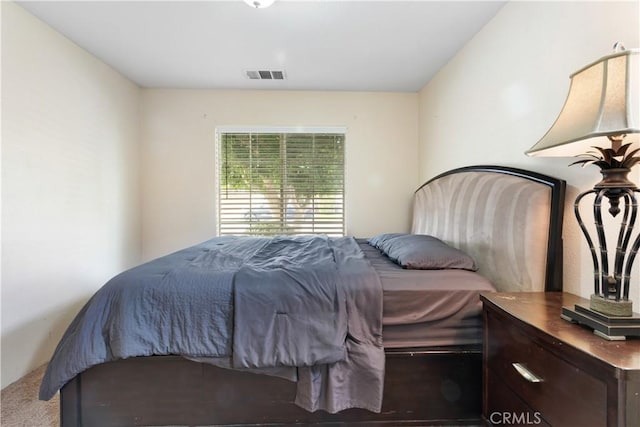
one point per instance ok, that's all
(396, 349)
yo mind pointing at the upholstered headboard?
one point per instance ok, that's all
(509, 220)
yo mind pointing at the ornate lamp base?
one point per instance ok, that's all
(611, 319)
(611, 307)
(608, 327)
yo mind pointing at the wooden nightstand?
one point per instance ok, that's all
(539, 369)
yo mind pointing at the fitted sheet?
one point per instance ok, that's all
(428, 308)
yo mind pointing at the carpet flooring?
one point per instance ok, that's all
(20, 406)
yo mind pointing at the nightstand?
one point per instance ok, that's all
(539, 369)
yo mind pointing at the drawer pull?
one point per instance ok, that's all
(527, 374)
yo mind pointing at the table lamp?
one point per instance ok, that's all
(599, 124)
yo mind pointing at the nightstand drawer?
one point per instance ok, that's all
(504, 407)
(563, 394)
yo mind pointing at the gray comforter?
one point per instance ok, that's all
(311, 306)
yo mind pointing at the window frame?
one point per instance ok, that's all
(220, 130)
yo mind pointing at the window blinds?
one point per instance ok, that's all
(280, 183)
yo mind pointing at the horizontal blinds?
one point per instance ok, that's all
(281, 183)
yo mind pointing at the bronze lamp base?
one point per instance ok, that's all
(611, 307)
(605, 326)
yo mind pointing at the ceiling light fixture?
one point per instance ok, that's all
(259, 4)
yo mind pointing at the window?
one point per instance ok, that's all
(284, 182)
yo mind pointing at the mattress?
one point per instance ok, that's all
(428, 308)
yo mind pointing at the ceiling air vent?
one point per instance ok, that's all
(265, 74)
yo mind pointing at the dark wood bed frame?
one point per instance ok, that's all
(423, 386)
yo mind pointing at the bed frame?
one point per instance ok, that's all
(423, 386)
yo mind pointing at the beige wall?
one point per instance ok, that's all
(70, 209)
(502, 92)
(178, 155)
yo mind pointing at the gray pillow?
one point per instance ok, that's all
(422, 252)
(380, 239)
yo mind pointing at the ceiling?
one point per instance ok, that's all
(321, 45)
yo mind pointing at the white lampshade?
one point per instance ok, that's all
(602, 101)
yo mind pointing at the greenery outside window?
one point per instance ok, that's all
(280, 181)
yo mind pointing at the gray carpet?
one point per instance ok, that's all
(21, 407)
